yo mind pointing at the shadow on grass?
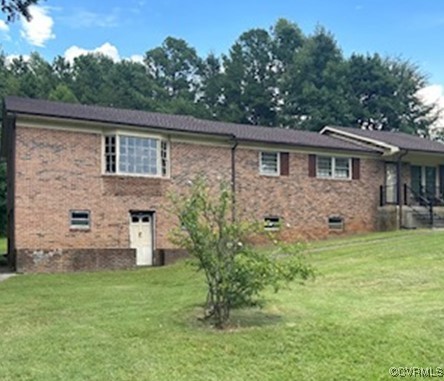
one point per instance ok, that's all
(254, 317)
(246, 318)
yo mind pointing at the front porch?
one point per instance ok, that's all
(412, 195)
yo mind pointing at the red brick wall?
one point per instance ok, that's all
(69, 260)
(58, 170)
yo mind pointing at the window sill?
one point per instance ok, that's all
(333, 178)
(129, 175)
(269, 174)
(78, 230)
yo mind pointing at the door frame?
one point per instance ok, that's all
(152, 214)
(395, 185)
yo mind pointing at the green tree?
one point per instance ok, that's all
(174, 69)
(249, 87)
(62, 93)
(235, 272)
(288, 39)
(62, 70)
(314, 86)
(92, 83)
(212, 87)
(131, 86)
(384, 95)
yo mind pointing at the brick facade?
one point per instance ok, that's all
(305, 203)
(57, 171)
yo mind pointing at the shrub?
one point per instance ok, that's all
(235, 271)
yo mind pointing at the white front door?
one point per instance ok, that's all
(141, 237)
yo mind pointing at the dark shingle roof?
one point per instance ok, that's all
(397, 139)
(177, 123)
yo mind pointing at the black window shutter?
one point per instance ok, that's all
(285, 163)
(311, 165)
(356, 170)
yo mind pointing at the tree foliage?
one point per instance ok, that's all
(15, 8)
(235, 272)
(273, 78)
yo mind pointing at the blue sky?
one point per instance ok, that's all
(411, 29)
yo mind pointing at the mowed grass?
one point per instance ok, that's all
(377, 302)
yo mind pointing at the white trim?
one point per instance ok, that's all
(79, 227)
(333, 168)
(200, 139)
(92, 127)
(278, 164)
(118, 134)
(392, 148)
(48, 124)
(307, 150)
(168, 158)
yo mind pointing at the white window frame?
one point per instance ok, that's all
(76, 226)
(278, 163)
(333, 167)
(158, 138)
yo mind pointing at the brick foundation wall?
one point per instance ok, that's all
(70, 260)
(164, 257)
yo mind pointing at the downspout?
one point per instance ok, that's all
(398, 185)
(233, 177)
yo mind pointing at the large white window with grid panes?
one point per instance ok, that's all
(134, 155)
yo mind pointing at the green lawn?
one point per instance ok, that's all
(378, 302)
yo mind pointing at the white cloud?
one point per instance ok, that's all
(3, 26)
(39, 29)
(434, 95)
(11, 57)
(4, 31)
(136, 58)
(106, 49)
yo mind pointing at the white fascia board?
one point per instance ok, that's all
(389, 149)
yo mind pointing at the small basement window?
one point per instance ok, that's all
(80, 219)
(336, 223)
(272, 223)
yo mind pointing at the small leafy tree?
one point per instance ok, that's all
(235, 272)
